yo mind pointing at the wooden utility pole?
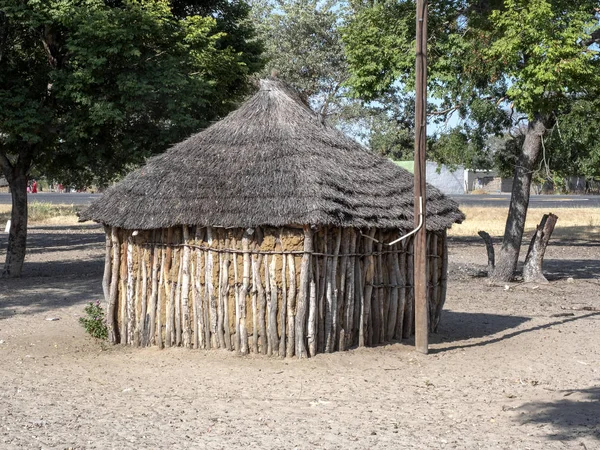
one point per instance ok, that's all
(420, 246)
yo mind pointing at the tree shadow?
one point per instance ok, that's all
(575, 416)
(53, 278)
(556, 269)
(464, 327)
(23, 297)
(58, 239)
(459, 326)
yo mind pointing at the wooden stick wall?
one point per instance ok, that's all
(275, 291)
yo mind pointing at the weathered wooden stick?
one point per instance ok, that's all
(321, 276)
(392, 268)
(107, 265)
(331, 312)
(211, 297)
(221, 288)
(137, 283)
(130, 292)
(312, 317)
(255, 282)
(122, 298)
(151, 329)
(409, 311)
(225, 298)
(141, 327)
(262, 306)
(200, 323)
(244, 293)
(434, 263)
(360, 299)
(169, 289)
(443, 252)
(399, 268)
(291, 309)
(111, 318)
(185, 288)
(267, 304)
(172, 322)
(194, 267)
(366, 328)
(160, 296)
(272, 309)
(358, 293)
(178, 299)
(338, 315)
(236, 282)
(349, 303)
(283, 309)
(380, 290)
(303, 294)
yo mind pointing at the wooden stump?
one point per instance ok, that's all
(532, 270)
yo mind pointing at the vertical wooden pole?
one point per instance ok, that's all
(111, 314)
(244, 293)
(185, 288)
(420, 281)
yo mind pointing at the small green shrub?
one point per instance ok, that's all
(94, 322)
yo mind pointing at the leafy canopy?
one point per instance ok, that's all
(494, 64)
(89, 87)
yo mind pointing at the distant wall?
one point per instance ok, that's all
(448, 181)
(486, 181)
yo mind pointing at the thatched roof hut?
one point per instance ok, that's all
(199, 238)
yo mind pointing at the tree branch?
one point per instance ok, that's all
(594, 38)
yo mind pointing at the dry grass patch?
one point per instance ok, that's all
(45, 213)
(573, 223)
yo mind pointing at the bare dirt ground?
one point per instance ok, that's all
(514, 367)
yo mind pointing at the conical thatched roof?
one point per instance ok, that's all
(271, 162)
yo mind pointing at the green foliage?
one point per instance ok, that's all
(493, 64)
(88, 88)
(573, 147)
(94, 322)
(303, 45)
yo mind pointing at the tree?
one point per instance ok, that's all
(303, 45)
(90, 88)
(500, 57)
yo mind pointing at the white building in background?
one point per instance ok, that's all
(461, 180)
(450, 182)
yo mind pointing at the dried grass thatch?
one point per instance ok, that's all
(271, 162)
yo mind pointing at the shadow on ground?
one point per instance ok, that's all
(576, 415)
(63, 267)
(23, 298)
(556, 269)
(49, 239)
(458, 326)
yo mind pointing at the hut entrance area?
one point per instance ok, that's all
(285, 291)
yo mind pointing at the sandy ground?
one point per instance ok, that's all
(514, 367)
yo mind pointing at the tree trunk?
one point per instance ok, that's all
(532, 270)
(17, 239)
(506, 261)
